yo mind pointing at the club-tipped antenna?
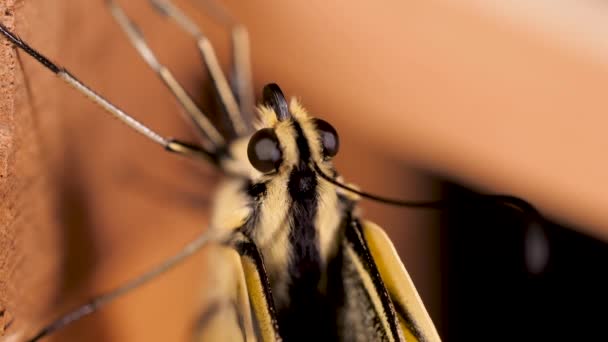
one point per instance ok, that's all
(531, 214)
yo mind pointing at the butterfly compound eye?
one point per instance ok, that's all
(264, 151)
(329, 138)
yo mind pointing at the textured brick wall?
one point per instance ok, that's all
(30, 235)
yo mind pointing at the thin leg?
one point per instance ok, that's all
(195, 114)
(98, 302)
(241, 64)
(62, 73)
(192, 151)
(227, 98)
(241, 80)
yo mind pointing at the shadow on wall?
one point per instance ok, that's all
(506, 279)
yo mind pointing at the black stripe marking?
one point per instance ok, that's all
(205, 317)
(409, 321)
(355, 316)
(354, 234)
(306, 303)
(29, 50)
(302, 143)
(240, 319)
(249, 249)
(214, 309)
(255, 191)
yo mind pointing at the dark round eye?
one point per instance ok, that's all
(329, 138)
(264, 151)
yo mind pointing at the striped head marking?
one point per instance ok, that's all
(289, 139)
(288, 150)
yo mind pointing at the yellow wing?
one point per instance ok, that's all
(258, 288)
(413, 316)
(239, 290)
(227, 314)
(267, 325)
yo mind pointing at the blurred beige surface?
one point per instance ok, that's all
(507, 96)
(492, 96)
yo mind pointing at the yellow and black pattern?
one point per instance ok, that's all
(310, 271)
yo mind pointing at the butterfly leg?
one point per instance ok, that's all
(238, 122)
(98, 302)
(171, 145)
(195, 114)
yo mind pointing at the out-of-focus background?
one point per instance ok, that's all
(431, 98)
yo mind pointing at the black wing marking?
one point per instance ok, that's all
(260, 292)
(355, 239)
